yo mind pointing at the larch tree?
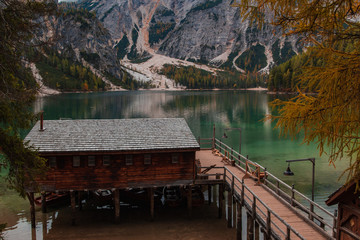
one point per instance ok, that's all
(331, 118)
(21, 25)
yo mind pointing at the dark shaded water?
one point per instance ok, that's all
(225, 109)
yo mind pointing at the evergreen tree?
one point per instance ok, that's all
(20, 22)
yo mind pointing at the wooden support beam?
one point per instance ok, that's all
(213, 139)
(229, 209)
(214, 193)
(238, 221)
(250, 226)
(116, 193)
(80, 200)
(268, 226)
(189, 200)
(73, 207)
(32, 209)
(257, 230)
(233, 200)
(334, 223)
(242, 192)
(43, 202)
(234, 211)
(152, 204)
(220, 196)
(209, 194)
(44, 225)
(253, 217)
(288, 233)
(33, 233)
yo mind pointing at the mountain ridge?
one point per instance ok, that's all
(140, 36)
(200, 31)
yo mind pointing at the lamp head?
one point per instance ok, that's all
(288, 171)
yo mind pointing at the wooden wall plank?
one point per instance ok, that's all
(161, 170)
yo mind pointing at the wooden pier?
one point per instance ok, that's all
(273, 208)
(149, 154)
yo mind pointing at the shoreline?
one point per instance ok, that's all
(258, 89)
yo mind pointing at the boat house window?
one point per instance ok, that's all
(76, 161)
(128, 160)
(175, 158)
(147, 159)
(52, 162)
(91, 161)
(106, 160)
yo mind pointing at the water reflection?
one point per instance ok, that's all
(225, 109)
(203, 109)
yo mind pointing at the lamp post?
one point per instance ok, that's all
(288, 172)
(229, 129)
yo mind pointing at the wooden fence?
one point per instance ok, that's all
(288, 194)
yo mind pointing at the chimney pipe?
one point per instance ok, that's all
(42, 121)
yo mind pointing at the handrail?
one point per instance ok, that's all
(212, 167)
(240, 162)
(293, 203)
(311, 214)
(267, 208)
(208, 141)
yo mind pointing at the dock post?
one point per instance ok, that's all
(250, 226)
(73, 207)
(229, 209)
(220, 196)
(233, 200)
(268, 226)
(33, 233)
(238, 221)
(43, 202)
(253, 217)
(32, 208)
(117, 204)
(234, 211)
(152, 204)
(293, 196)
(209, 194)
(288, 233)
(44, 225)
(189, 200)
(334, 224)
(257, 232)
(214, 193)
(79, 200)
(213, 138)
(242, 192)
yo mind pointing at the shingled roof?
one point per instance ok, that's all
(112, 135)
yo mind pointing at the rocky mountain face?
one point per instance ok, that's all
(204, 31)
(80, 36)
(87, 37)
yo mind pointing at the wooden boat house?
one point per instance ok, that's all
(348, 219)
(86, 155)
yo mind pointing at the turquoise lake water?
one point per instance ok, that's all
(201, 110)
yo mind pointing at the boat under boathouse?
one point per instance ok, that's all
(87, 155)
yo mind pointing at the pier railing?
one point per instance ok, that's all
(272, 223)
(202, 176)
(295, 199)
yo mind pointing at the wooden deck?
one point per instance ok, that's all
(301, 228)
